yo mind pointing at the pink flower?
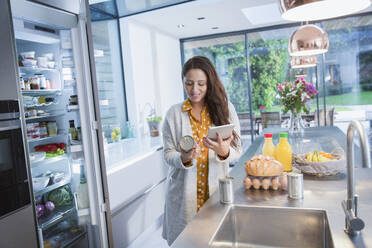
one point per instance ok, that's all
(261, 107)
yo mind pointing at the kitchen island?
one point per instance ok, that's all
(319, 193)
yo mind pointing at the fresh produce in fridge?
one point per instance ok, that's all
(61, 196)
(53, 147)
(49, 205)
(40, 209)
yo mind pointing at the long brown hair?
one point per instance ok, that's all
(216, 98)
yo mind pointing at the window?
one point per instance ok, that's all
(110, 80)
(343, 75)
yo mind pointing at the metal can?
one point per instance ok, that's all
(226, 190)
(187, 143)
(295, 185)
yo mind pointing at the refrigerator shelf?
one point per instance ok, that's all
(43, 116)
(46, 138)
(41, 92)
(58, 214)
(49, 160)
(31, 69)
(41, 105)
(53, 186)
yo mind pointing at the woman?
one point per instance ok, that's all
(194, 175)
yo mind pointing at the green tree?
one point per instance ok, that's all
(269, 66)
(269, 62)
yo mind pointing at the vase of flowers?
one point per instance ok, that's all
(295, 97)
(154, 123)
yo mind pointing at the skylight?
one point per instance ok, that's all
(263, 14)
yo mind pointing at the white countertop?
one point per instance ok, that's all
(125, 152)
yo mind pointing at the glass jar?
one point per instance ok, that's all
(43, 127)
(43, 85)
(52, 128)
(35, 83)
(28, 84)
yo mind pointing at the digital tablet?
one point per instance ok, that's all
(225, 131)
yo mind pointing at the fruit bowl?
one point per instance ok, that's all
(321, 163)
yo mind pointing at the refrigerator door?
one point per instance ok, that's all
(86, 72)
(90, 115)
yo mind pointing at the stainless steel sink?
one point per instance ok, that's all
(245, 226)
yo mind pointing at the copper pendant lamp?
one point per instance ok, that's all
(307, 10)
(303, 61)
(308, 40)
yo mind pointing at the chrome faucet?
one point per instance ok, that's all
(353, 224)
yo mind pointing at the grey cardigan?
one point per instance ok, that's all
(180, 201)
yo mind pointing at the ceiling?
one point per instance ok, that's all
(223, 15)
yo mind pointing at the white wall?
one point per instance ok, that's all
(152, 69)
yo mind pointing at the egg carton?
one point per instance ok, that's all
(266, 183)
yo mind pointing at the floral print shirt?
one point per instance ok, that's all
(199, 131)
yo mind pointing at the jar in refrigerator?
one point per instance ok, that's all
(33, 130)
(43, 85)
(43, 129)
(35, 83)
(28, 84)
(52, 128)
(22, 83)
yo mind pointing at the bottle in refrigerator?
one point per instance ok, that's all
(72, 131)
(22, 83)
(82, 192)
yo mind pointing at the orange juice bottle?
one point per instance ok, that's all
(283, 152)
(268, 147)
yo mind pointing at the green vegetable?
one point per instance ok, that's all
(55, 154)
(61, 196)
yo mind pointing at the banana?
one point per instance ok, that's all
(316, 156)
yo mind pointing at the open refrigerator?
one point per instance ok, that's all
(69, 187)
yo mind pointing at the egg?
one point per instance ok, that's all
(256, 183)
(275, 183)
(283, 181)
(266, 183)
(247, 183)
